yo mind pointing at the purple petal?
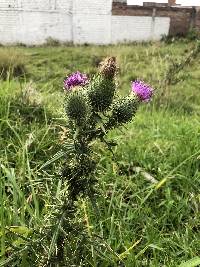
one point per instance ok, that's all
(143, 91)
(75, 79)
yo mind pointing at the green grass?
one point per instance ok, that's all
(163, 141)
(12, 64)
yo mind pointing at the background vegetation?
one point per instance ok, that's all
(135, 223)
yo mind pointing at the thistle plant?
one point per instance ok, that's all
(172, 75)
(93, 108)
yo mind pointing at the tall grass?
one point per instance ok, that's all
(135, 223)
(12, 63)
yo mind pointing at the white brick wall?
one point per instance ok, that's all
(36, 4)
(8, 26)
(92, 21)
(94, 29)
(80, 21)
(92, 7)
(33, 21)
(34, 27)
(8, 3)
(63, 5)
(161, 27)
(133, 28)
(44, 25)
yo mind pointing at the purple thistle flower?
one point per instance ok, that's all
(75, 79)
(143, 91)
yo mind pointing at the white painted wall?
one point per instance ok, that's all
(80, 21)
(33, 21)
(138, 28)
(92, 21)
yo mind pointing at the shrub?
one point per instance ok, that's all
(193, 35)
(55, 42)
(52, 42)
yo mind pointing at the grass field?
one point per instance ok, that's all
(135, 222)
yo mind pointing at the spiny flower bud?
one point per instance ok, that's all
(101, 92)
(77, 107)
(122, 112)
(108, 67)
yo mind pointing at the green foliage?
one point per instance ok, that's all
(172, 75)
(193, 34)
(131, 224)
(52, 42)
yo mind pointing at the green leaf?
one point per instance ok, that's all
(10, 259)
(2, 233)
(55, 236)
(156, 247)
(58, 155)
(18, 242)
(22, 230)
(191, 263)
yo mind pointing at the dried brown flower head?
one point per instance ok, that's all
(108, 67)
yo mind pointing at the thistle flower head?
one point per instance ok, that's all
(75, 79)
(143, 91)
(108, 67)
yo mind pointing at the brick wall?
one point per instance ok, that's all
(120, 1)
(180, 18)
(197, 19)
(171, 2)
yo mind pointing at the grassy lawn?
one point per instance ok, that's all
(135, 223)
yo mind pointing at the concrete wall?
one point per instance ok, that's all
(92, 21)
(88, 21)
(138, 28)
(32, 22)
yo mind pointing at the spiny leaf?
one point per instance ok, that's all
(58, 155)
(191, 263)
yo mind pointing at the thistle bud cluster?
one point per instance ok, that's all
(94, 101)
